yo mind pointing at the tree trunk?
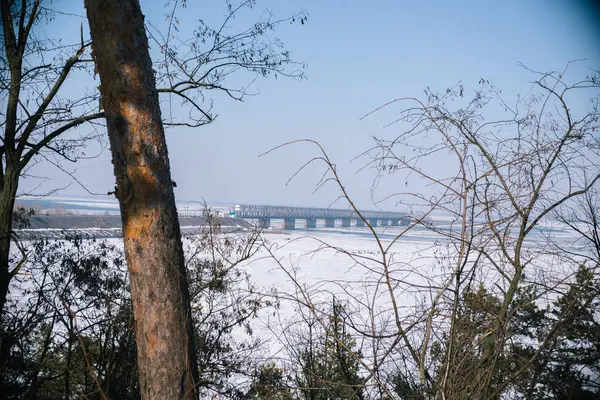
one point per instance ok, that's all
(153, 249)
(8, 192)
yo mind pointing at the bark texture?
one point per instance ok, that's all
(9, 177)
(8, 192)
(159, 289)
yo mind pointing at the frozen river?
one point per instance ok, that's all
(304, 269)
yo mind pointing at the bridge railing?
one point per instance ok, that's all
(266, 211)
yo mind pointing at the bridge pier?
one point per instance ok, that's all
(289, 223)
(405, 221)
(261, 215)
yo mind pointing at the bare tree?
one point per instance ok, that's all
(193, 67)
(34, 114)
(471, 315)
(43, 122)
(511, 174)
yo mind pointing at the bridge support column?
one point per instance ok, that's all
(311, 223)
(360, 223)
(289, 223)
(329, 223)
(264, 223)
(373, 222)
(405, 221)
(346, 222)
(395, 222)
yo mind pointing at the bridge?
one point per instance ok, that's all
(263, 214)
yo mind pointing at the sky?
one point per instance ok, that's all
(359, 55)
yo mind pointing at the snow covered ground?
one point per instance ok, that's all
(318, 263)
(344, 263)
(341, 264)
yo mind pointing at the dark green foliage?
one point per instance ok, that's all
(551, 352)
(69, 313)
(568, 365)
(466, 362)
(329, 361)
(21, 217)
(270, 384)
(406, 387)
(69, 317)
(223, 300)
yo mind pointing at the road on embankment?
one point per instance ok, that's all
(58, 226)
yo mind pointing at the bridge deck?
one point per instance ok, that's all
(264, 211)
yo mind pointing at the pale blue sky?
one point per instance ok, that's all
(360, 55)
